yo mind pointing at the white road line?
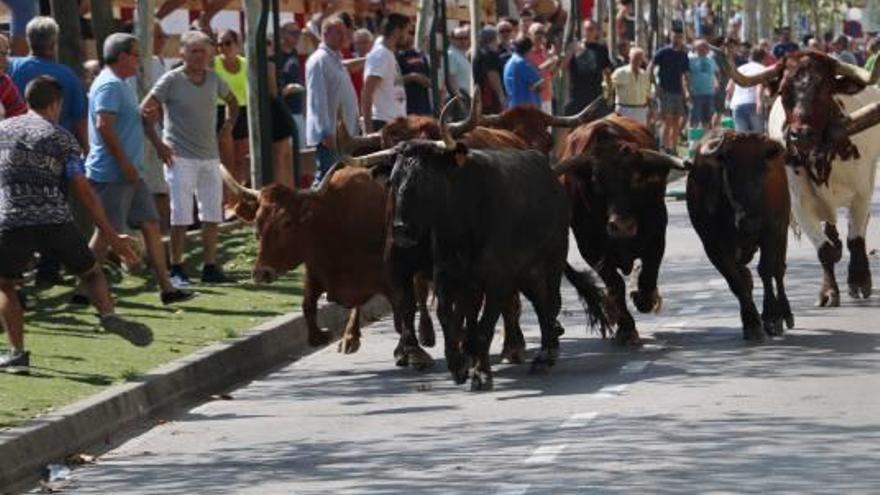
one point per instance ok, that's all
(717, 282)
(676, 324)
(512, 489)
(579, 420)
(634, 367)
(545, 454)
(701, 295)
(609, 391)
(690, 310)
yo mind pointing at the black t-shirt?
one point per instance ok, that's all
(487, 61)
(291, 73)
(586, 71)
(418, 97)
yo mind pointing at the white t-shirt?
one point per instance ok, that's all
(389, 100)
(746, 96)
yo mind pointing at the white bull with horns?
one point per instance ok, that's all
(825, 117)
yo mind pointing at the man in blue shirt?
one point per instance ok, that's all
(42, 37)
(522, 81)
(703, 85)
(115, 163)
(784, 45)
(672, 92)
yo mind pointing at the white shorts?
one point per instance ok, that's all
(639, 114)
(193, 177)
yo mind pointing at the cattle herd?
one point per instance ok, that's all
(480, 211)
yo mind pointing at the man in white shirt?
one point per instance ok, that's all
(746, 103)
(460, 70)
(632, 87)
(384, 96)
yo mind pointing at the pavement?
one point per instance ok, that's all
(695, 410)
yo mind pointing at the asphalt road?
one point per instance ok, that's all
(696, 410)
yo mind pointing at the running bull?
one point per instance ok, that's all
(738, 202)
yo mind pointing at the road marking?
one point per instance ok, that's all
(579, 420)
(690, 310)
(676, 324)
(701, 295)
(609, 391)
(512, 489)
(634, 367)
(545, 454)
(717, 282)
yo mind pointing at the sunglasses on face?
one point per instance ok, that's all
(227, 43)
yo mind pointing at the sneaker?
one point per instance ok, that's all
(213, 274)
(176, 296)
(17, 363)
(178, 277)
(132, 331)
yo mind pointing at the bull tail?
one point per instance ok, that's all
(591, 294)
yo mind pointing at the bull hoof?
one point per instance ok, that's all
(460, 377)
(789, 321)
(481, 381)
(514, 354)
(647, 303)
(829, 298)
(401, 358)
(753, 333)
(349, 345)
(426, 331)
(860, 291)
(320, 338)
(558, 328)
(773, 327)
(545, 360)
(419, 359)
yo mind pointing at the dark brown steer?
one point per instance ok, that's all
(619, 215)
(737, 198)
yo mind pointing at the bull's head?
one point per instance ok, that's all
(531, 123)
(741, 162)
(282, 218)
(406, 128)
(417, 180)
(629, 181)
(816, 128)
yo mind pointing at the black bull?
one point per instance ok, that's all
(498, 222)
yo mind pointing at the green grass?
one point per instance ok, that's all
(71, 359)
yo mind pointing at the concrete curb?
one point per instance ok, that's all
(95, 424)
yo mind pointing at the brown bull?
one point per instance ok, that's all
(338, 232)
(737, 199)
(616, 184)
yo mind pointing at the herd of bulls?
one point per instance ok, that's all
(482, 210)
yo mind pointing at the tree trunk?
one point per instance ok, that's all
(612, 27)
(144, 32)
(638, 13)
(66, 13)
(476, 12)
(102, 24)
(423, 19)
(260, 148)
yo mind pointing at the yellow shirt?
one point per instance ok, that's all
(237, 82)
(632, 89)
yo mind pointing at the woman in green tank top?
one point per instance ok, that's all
(231, 66)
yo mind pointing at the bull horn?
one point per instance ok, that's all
(347, 144)
(367, 161)
(457, 129)
(738, 77)
(235, 187)
(582, 117)
(863, 118)
(674, 162)
(857, 73)
(448, 141)
(325, 181)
